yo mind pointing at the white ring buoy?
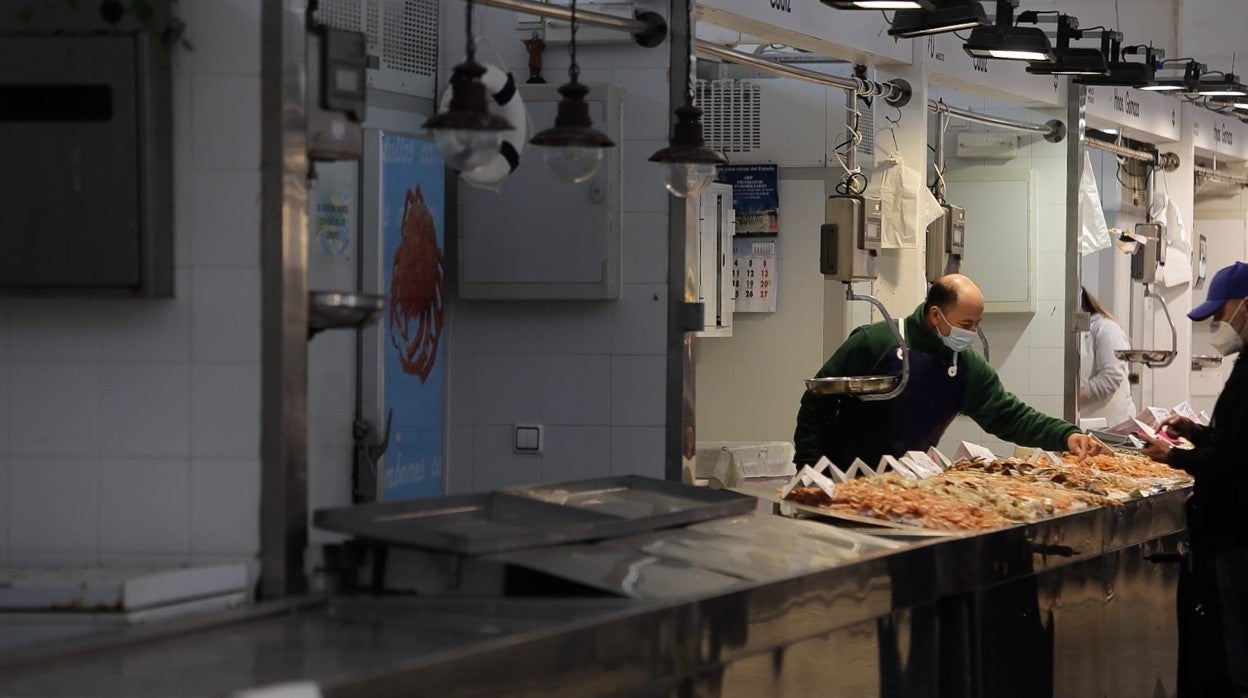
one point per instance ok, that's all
(507, 103)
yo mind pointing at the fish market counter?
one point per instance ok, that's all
(746, 604)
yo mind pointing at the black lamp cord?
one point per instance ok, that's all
(689, 53)
(469, 42)
(574, 70)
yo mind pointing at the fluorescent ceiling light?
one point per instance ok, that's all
(1009, 43)
(880, 4)
(1072, 61)
(1165, 86)
(949, 16)
(1224, 92)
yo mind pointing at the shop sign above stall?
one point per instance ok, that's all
(949, 65)
(852, 36)
(1146, 116)
(1222, 135)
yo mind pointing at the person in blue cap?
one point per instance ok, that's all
(1216, 525)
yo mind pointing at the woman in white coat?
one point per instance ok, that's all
(1103, 387)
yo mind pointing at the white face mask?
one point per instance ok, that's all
(1226, 339)
(958, 339)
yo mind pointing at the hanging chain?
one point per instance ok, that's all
(469, 42)
(574, 70)
(689, 88)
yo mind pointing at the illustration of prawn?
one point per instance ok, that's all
(417, 289)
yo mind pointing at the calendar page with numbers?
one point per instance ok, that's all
(754, 279)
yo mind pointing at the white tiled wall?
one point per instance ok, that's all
(129, 429)
(592, 372)
(1026, 348)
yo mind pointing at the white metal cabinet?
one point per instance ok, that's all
(717, 222)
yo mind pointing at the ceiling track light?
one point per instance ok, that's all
(1227, 85)
(880, 4)
(688, 164)
(1006, 41)
(573, 147)
(1124, 73)
(1069, 61)
(1223, 103)
(947, 16)
(467, 135)
(1192, 71)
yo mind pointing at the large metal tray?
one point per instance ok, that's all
(529, 517)
(851, 385)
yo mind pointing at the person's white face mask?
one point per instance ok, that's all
(958, 339)
(1226, 338)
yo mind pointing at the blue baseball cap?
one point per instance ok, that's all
(1229, 282)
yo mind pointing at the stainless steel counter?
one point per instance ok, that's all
(747, 606)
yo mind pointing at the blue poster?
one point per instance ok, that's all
(414, 281)
(755, 197)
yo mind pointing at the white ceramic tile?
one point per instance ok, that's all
(503, 328)
(1013, 367)
(1051, 276)
(54, 409)
(54, 329)
(226, 37)
(1051, 228)
(507, 389)
(1050, 181)
(459, 330)
(1046, 371)
(576, 453)
(1048, 326)
(638, 390)
(225, 507)
(639, 320)
(183, 220)
(1048, 404)
(638, 451)
(225, 230)
(576, 389)
(182, 118)
(225, 411)
(225, 315)
(55, 505)
(642, 180)
(460, 372)
(145, 410)
(145, 506)
(645, 248)
(645, 114)
(156, 330)
(577, 328)
(154, 559)
(496, 465)
(225, 132)
(54, 559)
(459, 459)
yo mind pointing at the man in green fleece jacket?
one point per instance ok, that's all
(945, 380)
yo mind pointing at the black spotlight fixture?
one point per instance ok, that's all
(1215, 83)
(1006, 41)
(1069, 61)
(573, 147)
(1124, 73)
(880, 4)
(688, 164)
(467, 135)
(947, 16)
(1186, 84)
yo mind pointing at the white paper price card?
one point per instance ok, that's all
(967, 449)
(923, 463)
(859, 468)
(806, 477)
(941, 459)
(890, 463)
(1183, 409)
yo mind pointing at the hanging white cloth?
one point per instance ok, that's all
(1177, 269)
(906, 205)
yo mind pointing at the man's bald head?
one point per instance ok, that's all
(958, 300)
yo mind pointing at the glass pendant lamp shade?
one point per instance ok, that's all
(688, 164)
(573, 147)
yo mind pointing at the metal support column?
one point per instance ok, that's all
(1075, 96)
(682, 289)
(284, 299)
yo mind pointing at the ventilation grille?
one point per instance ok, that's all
(866, 127)
(1133, 176)
(402, 40)
(731, 114)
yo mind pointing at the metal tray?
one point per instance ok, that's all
(1152, 358)
(1200, 363)
(851, 385)
(530, 517)
(649, 502)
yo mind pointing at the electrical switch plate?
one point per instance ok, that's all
(528, 438)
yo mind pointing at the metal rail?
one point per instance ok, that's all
(648, 28)
(1220, 176)
(1053, 131)
(1168, 161)
(895, 92)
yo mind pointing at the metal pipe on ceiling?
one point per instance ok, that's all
(1167, 161)
(648, 28)
(1211, 174)
(891, 92)
(1053, 131)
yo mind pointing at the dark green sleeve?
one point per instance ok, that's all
(855, 357)
(1003, 415)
